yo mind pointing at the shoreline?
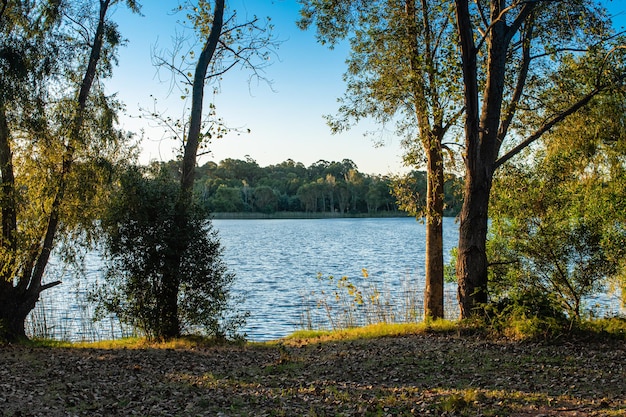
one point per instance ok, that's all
(305, 215)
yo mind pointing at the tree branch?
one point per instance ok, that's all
(519, 87)
(50, 285)
(547, 126)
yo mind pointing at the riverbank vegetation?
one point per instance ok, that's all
(321, 189)
(557, 208)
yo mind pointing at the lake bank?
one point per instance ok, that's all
(283, 268)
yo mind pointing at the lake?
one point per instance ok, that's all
(282, 269)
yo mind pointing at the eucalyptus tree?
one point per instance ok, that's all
(403, 68)
(225, 43)
(56, 125)
(511, 50)
(565, 235)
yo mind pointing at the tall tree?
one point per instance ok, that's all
(226, 44)
(509, 50)
(47, 48)
(401, 68)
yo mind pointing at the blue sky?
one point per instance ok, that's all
(285, 120)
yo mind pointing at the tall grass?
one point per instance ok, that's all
(342, 304)
(50, 321)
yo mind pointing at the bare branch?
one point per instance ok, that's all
(50, 285)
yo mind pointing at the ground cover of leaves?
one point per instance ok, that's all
(422, 375)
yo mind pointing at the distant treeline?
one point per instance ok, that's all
(242, 186)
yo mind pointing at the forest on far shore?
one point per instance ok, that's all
(242, 186)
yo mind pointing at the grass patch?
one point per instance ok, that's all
(374, 331)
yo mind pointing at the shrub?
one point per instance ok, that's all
(141, 236)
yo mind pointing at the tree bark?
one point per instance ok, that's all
(482, 147)
(197, 99)
(433, 294)
(431, 135)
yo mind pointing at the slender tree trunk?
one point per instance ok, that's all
(197, 99)
(431, 135)
(433, 295)
(178, 239)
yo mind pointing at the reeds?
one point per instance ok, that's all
(341, 304)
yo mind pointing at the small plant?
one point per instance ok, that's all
(529, 314)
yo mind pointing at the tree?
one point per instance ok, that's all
(56, 124)
(510, 50)
(226, 44)
(139, 221)
(565, 234)
(402, 68)
(265, 199)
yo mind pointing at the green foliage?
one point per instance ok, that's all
(141, 232)
(530, 314)
(410, 192)
(556, 238)
(558, 225)
(59, 143)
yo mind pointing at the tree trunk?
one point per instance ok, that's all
(197, 99)
(13, 313)
(482, 146)
(433, 295)
(471, 264)
(431, 135)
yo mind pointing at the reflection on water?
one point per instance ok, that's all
(277, 263)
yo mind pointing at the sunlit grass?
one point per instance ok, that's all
(614, 328)
(182, 343)
(373, 331)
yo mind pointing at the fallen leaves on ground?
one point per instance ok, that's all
(421, 375)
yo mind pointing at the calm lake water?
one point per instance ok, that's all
(278, 264)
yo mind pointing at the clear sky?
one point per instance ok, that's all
(285, 120)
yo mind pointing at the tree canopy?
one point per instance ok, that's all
(58, 138)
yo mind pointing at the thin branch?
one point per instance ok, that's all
(221, 72)
(85, 32)
(49, 285)
(161, 62)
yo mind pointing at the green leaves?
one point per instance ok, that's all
(143, 234)
(558, 222)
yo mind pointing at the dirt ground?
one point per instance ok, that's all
(421, 375)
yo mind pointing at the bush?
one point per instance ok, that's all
(142, 237)
(530, 314)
